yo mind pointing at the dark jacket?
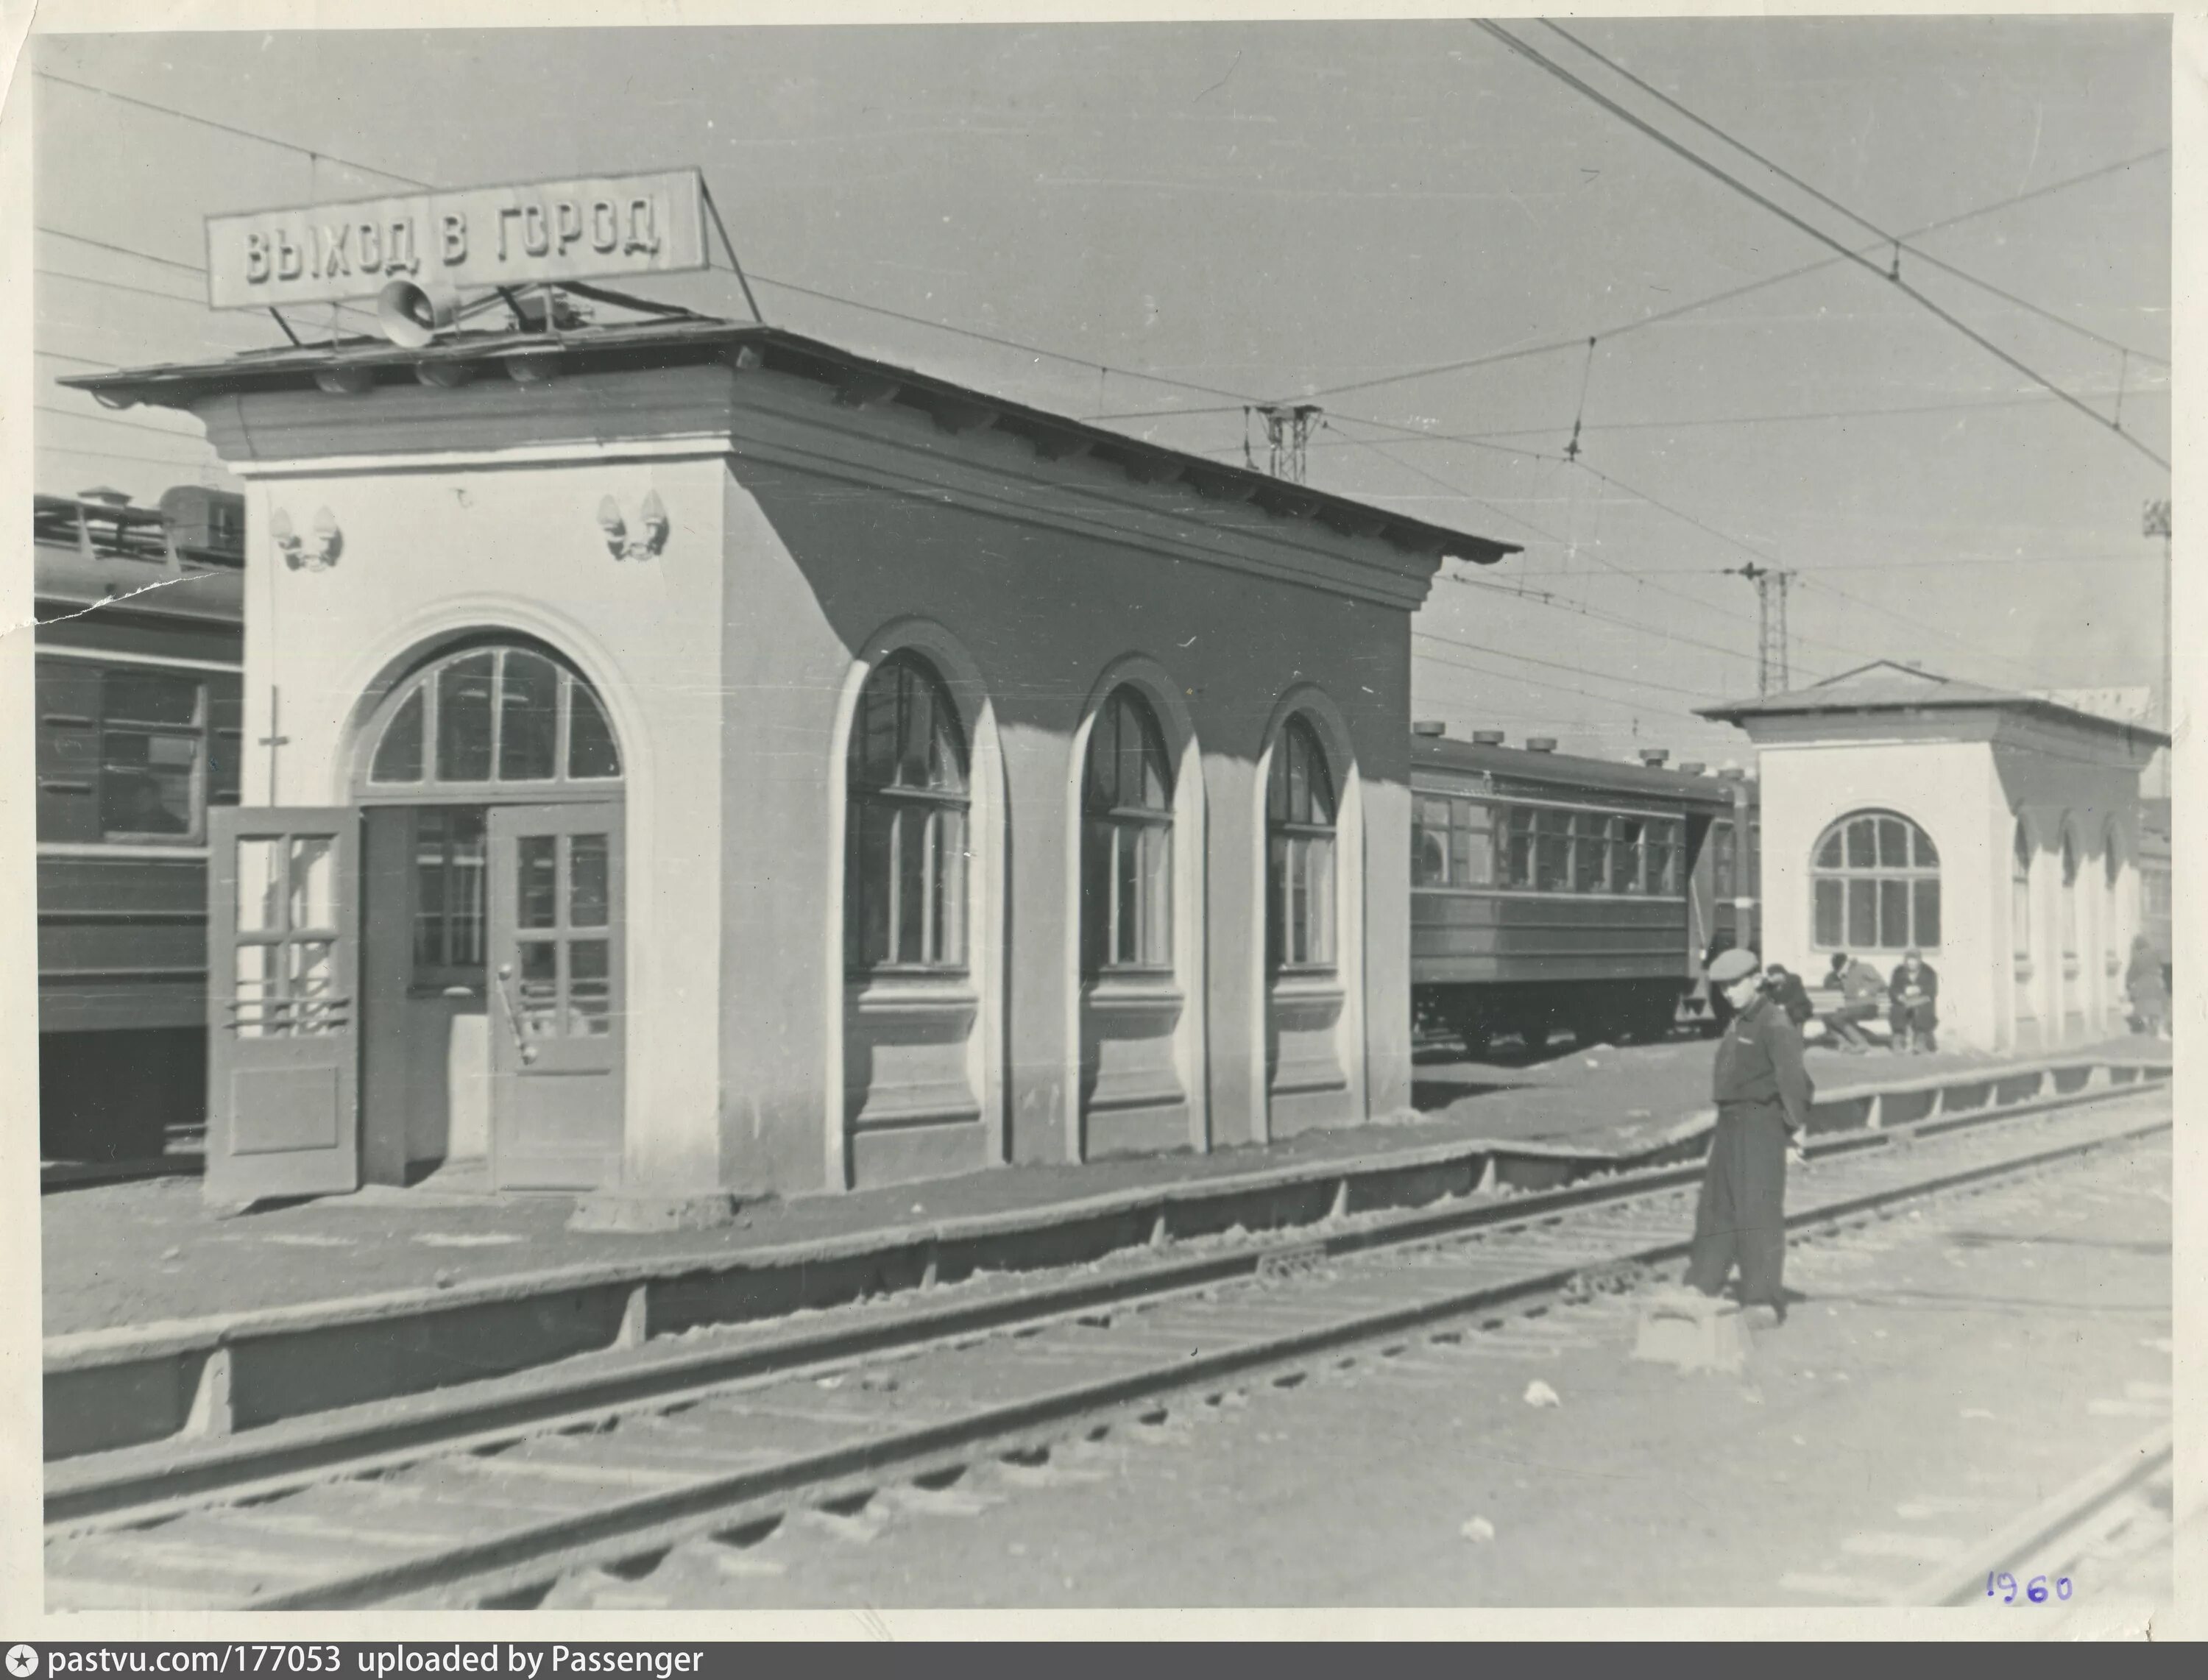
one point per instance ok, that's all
(1790, 995)
(1760, 1062)
(1860, 984)
(1927, 984)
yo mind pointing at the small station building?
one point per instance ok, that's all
(1997, 832)
(684, 758)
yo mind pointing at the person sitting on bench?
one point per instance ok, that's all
(1915, 994)
(1860, 990)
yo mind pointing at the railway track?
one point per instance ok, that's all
(493, 1508)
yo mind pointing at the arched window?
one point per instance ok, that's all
(1299, 818)
(1126, 846)
(2112, 930)
(2069, 902)
(1875, 880)
(490, 716)
(904, 859)
(2019, 896)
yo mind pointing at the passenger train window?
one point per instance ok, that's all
(1452, 844)
(133, 754)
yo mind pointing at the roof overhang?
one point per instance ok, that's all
(358, 365)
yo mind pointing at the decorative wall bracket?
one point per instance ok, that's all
(648, 541)
(315, 552)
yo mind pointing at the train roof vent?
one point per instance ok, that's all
(1430, 726)
(1487, 737)
(108, 493)
(1653, 757)
(1732, 773)
(1540, 743)
(1692, 767)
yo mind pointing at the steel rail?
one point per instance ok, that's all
(508, 1566)
(2048, 1537)
(175, 1473)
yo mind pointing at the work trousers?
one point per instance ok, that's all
(1743, 1213)
(1921, 1021)
(1844, 1022)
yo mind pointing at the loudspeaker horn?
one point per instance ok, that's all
(412, 316)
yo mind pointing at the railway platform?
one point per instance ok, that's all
(119, 1257)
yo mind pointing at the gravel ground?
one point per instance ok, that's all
(139, 1253)
(1946, 1371)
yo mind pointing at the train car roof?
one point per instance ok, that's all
(1519, 764)
(64, 584)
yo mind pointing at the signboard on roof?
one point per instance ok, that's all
(600, 227)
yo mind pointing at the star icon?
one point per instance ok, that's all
(22, 1661)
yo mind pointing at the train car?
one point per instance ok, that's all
(1551, 891)
(140, 643)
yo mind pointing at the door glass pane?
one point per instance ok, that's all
(1863, 914)
(311, 986)
(538, 888)
(260, 907)
(591, 751)
(398, 754)
(537, 989)
(590, 988)
(1828, 914)
(587, 880)
(463, 902)
(464, 696)
(529, 717)
(313, 893)
(1928, 914)
(257, 987)
(431, 883)
(1893, 914)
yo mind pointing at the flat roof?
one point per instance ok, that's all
(680, 339)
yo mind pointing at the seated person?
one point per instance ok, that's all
(1860, 990)
(1784, 989)
(1915, 992)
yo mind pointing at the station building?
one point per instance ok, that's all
(1998, 832)
(687, 757)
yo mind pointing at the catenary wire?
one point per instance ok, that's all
(1895, 240)
(1786, 215)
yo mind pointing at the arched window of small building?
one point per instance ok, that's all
(1874, 884)
(2020, 894)
(1300, 814)
(2112, 918)
(905, 861)
(1126, 846)
(2069, 902)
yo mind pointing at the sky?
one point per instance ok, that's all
(1276, 211)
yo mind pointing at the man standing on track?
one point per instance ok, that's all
(1763, 1094)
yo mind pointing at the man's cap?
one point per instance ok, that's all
(1731, 965)
(1913, 955)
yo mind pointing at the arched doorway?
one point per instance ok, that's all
(493, 983)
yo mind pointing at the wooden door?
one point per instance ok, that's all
(283, 1015)
(558, 996)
